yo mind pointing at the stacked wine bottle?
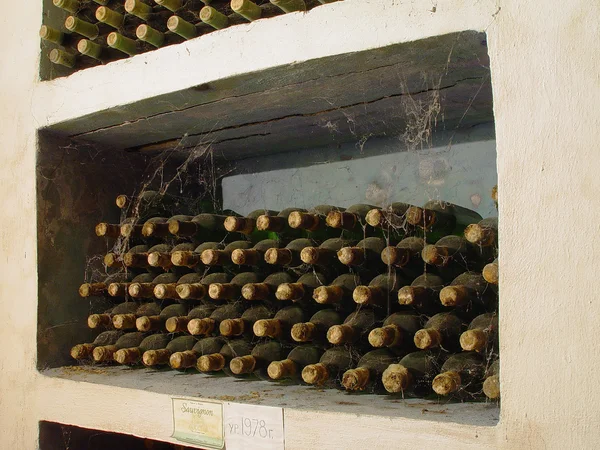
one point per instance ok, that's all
(400, 299)
(100, 31)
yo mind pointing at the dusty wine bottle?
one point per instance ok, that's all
(279, 224)
(205, 227)
(302, 290)
(98, 289)
(220, 361)
(133, 355)
(84, 351)
(258, 360)
(413, 373)
(468, 289)
(254, 256)
(461, 373)
(104, 229)
(326, 253)
(356, 325)
(160, 356)
(333, 363)
(382, 290)
(482, 334)
(352, 219)
(314, 222)
(266, 290)
(441, 330)
(189, 358)
(179, 324)
(161, 256)
(120, 289)
(127, 321)
(406, 255)
(449, 249)
(199, 290)
(137, 257)
(398, 330)
(423, 293)
(366, 252)
(339, 292)
(223, 257)
(247, 225)
(146, 290)
(197, 327)
(491, 384)
(192, 259)
(245, 323)
(290, 255)
(295, 362)
(316, 328)
(368, 371)
(281, 324)
(104, 320)
(439, 218)
(157, 322)
(159, 226)
(490, 272)
(104, 353)
(233, 289)
(162, 291)
(392, 217)
(484, 233)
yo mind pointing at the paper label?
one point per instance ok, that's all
(250, 427)
(198, 422)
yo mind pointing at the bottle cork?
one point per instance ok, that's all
(124, 321)
(271, 223)
(454, 295)
(390, 335)
(375, 218)
(103, 229)
(282, 369)
(256, 291)
(82, 351)
(247, 9)
(305, 221)
(396, 378)
(490, 273)
(148, 323)
(303, 332)
(278, 256)
(99, 321)
(176, 324)
(181, 27)
(244, 225)
(141, 290)
(340, 334)
(214, 18)
(242, 364)
(232, 327)
(128, 46)
(478, 235)
(267, 328)
(185, 258)
(435, 255)
(314, 255)
(162, 291)
(128, 230)
(117, 289)
(394, 256)
(224, 291)
(182, 229)
(446, 383)
(215, 257)
(51, 34)
(92, 289)
(315, 374)
(156, 357)
(427, 338)
(410, 295)
(211, 363)
(328, 294)
(339, 219)
(365, 295)
(160, 259)
(474, 340)
(127, 355)
(248, 257)
(351, 256)
(356, 379)
(197, 327)
(135, 259)
(491, 387)
(194, 291)
(290, 291)
(183, 360)
(104, 353)
(420, 217)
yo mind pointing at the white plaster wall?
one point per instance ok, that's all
(546, 75)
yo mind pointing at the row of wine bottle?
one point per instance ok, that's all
(106, 30)
(413, 373)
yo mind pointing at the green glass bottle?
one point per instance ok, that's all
(339, 291)
(438, 218)
(281, 324)
(441, 330)
(296, 360)
(288, 256)
(279, 225)
(220, 361)
(82, 352)
(203, 227)
(157, 322)
(353, 221)
(232, 290)
(98, 321)
(146, 290)
(244, 324)
(223, 257)
(247, 225)
(316, 328)
(254, 256)
(382, 290)
(210, 325)
(127, 321)
(368, 371)
(491, 384)
(328, 371)
(104, 353)
(163, 291)
(302, 290)
(461, 375)
(179, 324)
(482, 334)
(199, 290)
(469, 290)
(133, 355)
(314, 222)
(412, 374)
(266, 290)
(398, 331)
(160, 357)
(192, 259)
(423, 293)
(366, 253)
(259, 359)
(189, 358)
(355, 326)
(326, 253)
(160, 256)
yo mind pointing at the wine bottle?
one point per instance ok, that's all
(192, 259)
(352, 220)
(84, 351)
(127, 321)
(452, 252)
(413, 373)
(423, 293)
(333, 363)
(99, 289)
(247, 9)
(160, 356)
(279, 224)
(179, 324)
(314, 222)
(405, 256)
(288, 256)
(104, 353)
(162, 258)
(438, 218)
(223, 257)
(189, 358)
(99, 53)
(441, 330)
(157, 38)
(462, 373)
(247, 225)
(133, 355)
(281, 324)
(197, 327)
(137, 257)
(159, 226)
(74, 7)
(339, 292)
(57, 37)
(245, 323)
(469, 289)
(199, 291)
(157, 322)
(356, 325)
(491, 384)
(233, 289)
(182, 27)
(381, 291)
(368, 371)
(398, 330)
(68, 59)
(105, 229)
(265, 290)
(182, 7)
(220, 361)
(120, 22)
(254, 256)
(204, 227)
(149, 203)
(146, 290)
(326, 253)
(162, 291)
(105, 320)
(391, 217)
(484, 233)
(258, 360)
(316, 328)
(490, 272)
(302, 290)
(482, 334)
(126, 45)
(82, 27)
(366, 252)
(120, 289)
(295, 362)
(288, 6)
